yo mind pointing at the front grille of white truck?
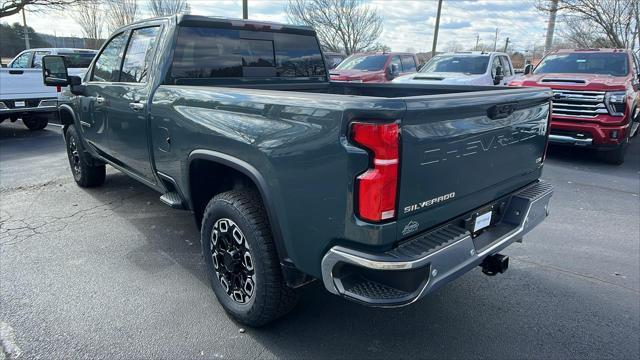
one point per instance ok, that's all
(585, 104)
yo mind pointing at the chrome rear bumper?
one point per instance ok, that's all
(422, 264)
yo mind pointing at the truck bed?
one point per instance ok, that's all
(478, 142)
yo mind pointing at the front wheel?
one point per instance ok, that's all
(241, 259)
(85, 172)
(35, 123)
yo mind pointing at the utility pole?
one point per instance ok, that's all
(245, 10)
(26, 31)
(495, 41)
(435, 33)
(506, 45)
(551, 25)
(477, 41)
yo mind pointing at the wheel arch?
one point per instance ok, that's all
(224, 161)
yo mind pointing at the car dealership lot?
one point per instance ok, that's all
(112, 272)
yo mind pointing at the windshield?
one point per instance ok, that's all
(363, 62)
(458, 64)
(585, 63)
(78, 60)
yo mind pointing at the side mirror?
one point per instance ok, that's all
(528, 69)
(54, 70)
(392, 71)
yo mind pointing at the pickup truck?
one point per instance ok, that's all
(464, 68)
(374, 67)
(596, 98)
(22, 94)
(384, 192)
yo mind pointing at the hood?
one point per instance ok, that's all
(442, 78)
(578, 81)
(352, 74)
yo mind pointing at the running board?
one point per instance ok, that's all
(173, 199)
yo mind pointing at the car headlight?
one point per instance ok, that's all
(615, 102)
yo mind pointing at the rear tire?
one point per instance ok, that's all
(35, 123)
(85, 172)
(241, 259)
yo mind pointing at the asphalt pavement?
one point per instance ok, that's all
(113, 273)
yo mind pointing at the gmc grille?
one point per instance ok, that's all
(585, 104)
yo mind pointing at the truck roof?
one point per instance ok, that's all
(200, 20)
(473, 53)
(589, 50)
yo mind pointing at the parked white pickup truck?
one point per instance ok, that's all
(463, 68)
(22, 92)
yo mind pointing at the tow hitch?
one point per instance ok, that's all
(494, 264)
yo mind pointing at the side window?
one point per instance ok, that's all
(22, 61)
(37, 58)
(139, 55)
(494, 65)
(396, 60)
(506, 67)
(408, 63)
(108, 63)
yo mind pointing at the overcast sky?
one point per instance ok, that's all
(407, 23)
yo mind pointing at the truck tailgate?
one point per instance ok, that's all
(24, 84)
(462, 151)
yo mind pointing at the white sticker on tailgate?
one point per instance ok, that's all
(20, 104)
(482, 221)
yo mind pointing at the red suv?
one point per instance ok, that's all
(380, 67)
(597, 92)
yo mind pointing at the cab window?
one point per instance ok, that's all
(396, 60)
(22, 61)
(494, 65)
(37, 58)
(139, 55)
(506, 67)
(408, 63)
(108, 63)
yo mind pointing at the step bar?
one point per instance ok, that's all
(430, 260)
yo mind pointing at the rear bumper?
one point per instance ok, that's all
(8, 108)
(587, 134)
(422, 264)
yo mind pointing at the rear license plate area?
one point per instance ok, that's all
(20, 104)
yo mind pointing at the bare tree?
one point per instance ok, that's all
(121, 13)
(347, 26)
(169, 7)
(611, 23)
(89, 15)
(12, 7)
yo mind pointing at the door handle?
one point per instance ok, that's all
(136, 106)
(99, 100)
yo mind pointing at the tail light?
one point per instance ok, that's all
(377, 187)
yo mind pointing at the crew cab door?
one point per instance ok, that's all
(101, 94)
(128, 129)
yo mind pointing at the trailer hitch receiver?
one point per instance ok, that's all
(494, 264)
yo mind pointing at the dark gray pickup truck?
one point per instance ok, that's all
(383, 192)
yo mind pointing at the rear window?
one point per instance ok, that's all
(208, 53)
(585, 63)
(78, 60)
